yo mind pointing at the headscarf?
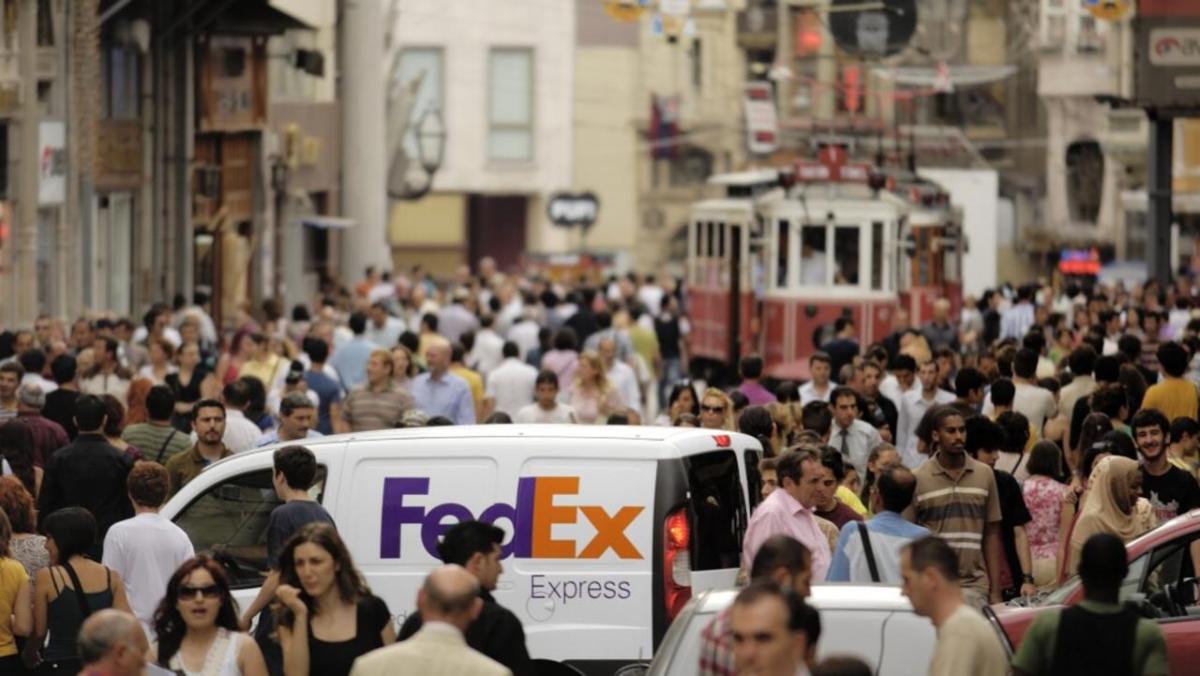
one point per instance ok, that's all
(1110, 506)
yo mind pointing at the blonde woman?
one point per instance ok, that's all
(593, 397)
(716, 410)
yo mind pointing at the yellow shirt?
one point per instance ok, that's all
(12, 576)
(849, 499)
(1175, 397)
(264, 371)
(474, 380)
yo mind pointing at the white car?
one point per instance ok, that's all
(874, 623)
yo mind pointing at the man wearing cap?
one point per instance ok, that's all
(297, 417)
(48, 436)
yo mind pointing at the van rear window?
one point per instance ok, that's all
(718, 509)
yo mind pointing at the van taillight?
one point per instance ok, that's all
(677, 565)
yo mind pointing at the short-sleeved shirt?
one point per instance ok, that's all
(958, 511)
(367, 409)
(328, 392)
(288, 518)
(1035, 656)
(1013, 513)
(1175, 397)
(840, 515)
(967, 644)
(157, 442)
(12, 576)
(1171, 493)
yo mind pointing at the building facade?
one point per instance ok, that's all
(505, 92)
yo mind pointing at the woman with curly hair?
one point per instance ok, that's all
(16, 449)
(197, 625)
(328, 617)
(27, 546)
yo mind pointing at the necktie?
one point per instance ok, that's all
(845, 439)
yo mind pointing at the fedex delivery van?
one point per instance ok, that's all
(609, 529)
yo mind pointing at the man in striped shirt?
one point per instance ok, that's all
(956, 498)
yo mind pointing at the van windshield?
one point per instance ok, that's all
(718, 508)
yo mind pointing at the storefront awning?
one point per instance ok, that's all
(327, 222)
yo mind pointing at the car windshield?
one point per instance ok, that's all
(1129, 586)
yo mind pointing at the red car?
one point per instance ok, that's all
(1161, 581)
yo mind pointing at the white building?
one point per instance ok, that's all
(502, 76)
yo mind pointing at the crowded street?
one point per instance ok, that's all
(600, 337)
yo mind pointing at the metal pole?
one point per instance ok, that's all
(364, 138)
(1159, 178)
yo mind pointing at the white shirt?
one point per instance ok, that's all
(561, 414)
(912, 409)
(809, 393)
(525, 334)
(1033, 402)
(388, 335)
(47, 386)
(890, 388)
(511, 384)
(625, 380)
(651, 296)
(488, 351)
(145, 551)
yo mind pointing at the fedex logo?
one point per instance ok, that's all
(533, 517)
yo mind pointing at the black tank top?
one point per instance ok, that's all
(1078, 652)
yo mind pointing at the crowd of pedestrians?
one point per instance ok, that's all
(1010, 436)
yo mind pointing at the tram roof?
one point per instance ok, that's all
(745, 178)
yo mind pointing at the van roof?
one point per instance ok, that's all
(827, 597)
(681, 436)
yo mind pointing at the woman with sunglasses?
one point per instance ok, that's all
(716, 410)
(69, 590)
(197, 625)
(682, 400)
(329, 617)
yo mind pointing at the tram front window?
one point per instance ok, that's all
(812, 256)
(845, 255)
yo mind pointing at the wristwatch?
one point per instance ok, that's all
(1028, 578)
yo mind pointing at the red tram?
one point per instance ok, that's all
(776, 261)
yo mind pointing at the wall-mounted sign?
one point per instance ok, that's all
(762, 121)
(569, 210)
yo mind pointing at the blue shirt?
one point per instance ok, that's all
(888, 532)
(448, 396)
(350, 360)
(328, 393)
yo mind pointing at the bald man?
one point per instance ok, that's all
(439, 392)
(112, 643)
(449, 601)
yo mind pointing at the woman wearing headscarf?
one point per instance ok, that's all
(1111, 506)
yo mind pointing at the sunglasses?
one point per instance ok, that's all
(211, 591)
(713, 409)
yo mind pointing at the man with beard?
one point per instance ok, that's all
(208, 423)
(957, 499)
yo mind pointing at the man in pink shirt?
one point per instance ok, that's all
(789, 511)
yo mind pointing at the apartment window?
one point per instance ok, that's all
(122, 91)
(510, 104)
(1068, 26)
(697, 59)
(423, 64)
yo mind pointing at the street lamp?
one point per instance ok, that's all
(431, 147)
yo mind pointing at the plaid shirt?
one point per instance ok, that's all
(716, 647)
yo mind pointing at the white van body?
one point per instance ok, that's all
(606, 526)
